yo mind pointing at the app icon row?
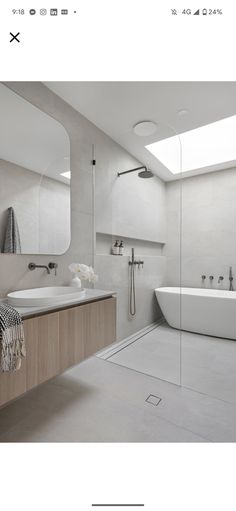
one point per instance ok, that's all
(52, 12)
(43, 12)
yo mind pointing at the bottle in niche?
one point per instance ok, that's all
(121, 248)
(115, 250)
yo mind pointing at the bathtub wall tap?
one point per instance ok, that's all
(203, 278)
(220, 279)
(211, 278)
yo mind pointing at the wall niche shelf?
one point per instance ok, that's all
(105, 241)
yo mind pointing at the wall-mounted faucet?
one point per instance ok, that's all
(33, 266)
(220, 279)
(203, 278)
(53, 266)
(211, 278)
(231, 279)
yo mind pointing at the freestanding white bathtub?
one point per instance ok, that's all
(204, 311)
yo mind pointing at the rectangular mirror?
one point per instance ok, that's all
(34, 179)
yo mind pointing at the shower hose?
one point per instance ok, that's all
(132, 304)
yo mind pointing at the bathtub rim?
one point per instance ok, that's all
(197, 292)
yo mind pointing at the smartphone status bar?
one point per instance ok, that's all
(197, 12)
(44, 12)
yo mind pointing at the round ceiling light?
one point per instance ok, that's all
(145, 128)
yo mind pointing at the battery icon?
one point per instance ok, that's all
(204, 12)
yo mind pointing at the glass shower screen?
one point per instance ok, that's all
(208, 263)
(138, 219)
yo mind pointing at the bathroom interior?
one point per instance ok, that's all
(118, 261)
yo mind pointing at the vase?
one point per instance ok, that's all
(76, 282)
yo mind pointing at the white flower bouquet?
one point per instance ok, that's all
(82, 272)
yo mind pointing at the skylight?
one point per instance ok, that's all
(206, 146)
(66, 174)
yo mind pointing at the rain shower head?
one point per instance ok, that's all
(144, 174)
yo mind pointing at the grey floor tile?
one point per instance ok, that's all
(99, 401)
(101, 420)
(208, 365)
(157, 354)
(202, 363)
(204, 415)
(94, 402)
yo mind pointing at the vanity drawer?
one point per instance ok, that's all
(72, 336)
(59, 340)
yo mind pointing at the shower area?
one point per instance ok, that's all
(131, 205)
(177, 233)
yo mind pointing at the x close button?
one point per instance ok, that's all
(14, 37)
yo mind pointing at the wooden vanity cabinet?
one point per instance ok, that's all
(59, 340)
(72, 336)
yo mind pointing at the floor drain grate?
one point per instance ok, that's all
(153, 400)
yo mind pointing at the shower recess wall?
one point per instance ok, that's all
(133, 210)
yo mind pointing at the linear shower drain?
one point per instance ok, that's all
(153, 400)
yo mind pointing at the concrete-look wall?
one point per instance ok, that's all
(172, 248)
(128, 206)
(110, 157)
(42, 209)
(132, 209)
(115, 271)
(208, 232)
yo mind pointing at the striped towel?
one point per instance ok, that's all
(12, 342)
(12, 244)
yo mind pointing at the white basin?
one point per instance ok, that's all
(44, 296)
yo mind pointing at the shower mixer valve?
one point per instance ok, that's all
(132, 294)
(140, 263)
(136, 263)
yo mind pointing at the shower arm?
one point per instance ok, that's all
(131, 170)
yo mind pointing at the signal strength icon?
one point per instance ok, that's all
(197, 12)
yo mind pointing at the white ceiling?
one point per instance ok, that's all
(30, 138)
(116, 107)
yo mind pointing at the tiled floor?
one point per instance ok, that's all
(157, 353)
(202, 363)
(209, 365)
(98, 401)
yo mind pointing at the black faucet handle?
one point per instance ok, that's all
(53, 266)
